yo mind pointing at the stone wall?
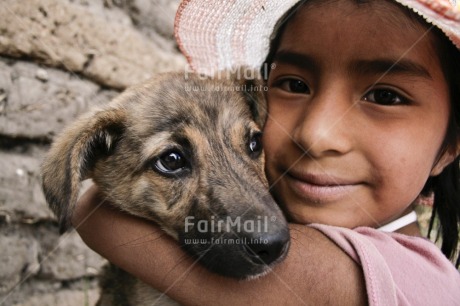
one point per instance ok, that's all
(57, 59)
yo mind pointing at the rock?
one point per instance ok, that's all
(42, 75)
(64, 297)
(69, 259)
(21, 198)
(71, 37)
(37, 109)
(35, 260)
(18, 260)
(159, 28)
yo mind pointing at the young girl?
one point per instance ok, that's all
(363, 101)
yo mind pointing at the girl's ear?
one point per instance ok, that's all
(447, 158)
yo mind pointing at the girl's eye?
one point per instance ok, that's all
(294, 86)
(384, 97)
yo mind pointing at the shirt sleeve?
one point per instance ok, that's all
(398, 269)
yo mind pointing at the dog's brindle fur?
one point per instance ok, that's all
(125, 146)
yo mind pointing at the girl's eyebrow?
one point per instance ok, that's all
(300, 60)
(378, 66)
(383, 66)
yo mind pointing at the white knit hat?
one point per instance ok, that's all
(222, 34)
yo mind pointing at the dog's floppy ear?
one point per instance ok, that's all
(253, 88)
(73, 155)
(255, 96)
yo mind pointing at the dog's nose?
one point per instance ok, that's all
(268, 248)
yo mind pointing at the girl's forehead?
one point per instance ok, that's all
(375, 28)
(381, 12)
(351, 38)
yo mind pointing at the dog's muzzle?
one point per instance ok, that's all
(239, 255)
(268, 249)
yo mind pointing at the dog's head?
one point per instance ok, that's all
(184, 152)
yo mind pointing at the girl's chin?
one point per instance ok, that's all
(305, 214)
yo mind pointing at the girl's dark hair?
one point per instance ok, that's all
(445, 186)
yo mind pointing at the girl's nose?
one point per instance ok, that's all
(326, 126)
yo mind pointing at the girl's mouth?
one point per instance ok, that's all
(321, 188)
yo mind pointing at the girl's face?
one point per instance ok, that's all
(358, 110)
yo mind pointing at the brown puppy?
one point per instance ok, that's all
(183, 151)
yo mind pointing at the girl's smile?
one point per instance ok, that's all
(319, 188)
(356, 122)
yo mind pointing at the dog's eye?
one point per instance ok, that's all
(171, 162)
(255, 145)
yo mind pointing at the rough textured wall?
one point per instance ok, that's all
(57, 59)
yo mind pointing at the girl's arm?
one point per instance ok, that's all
(315, 271)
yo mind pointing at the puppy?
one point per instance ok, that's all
(183, 151)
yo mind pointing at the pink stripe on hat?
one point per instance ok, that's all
(222, 34)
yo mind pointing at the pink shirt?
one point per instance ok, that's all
(398, 269)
